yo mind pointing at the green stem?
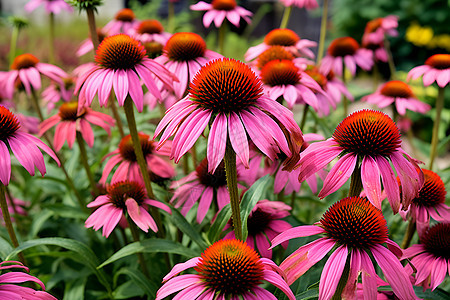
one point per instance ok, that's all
(437, 122)
(171, 18)
(344, 100)
(376, 76)
(13, 45)
(390, 58)
(51, 50)
(8, 223)
(409, 234)
(323, 31)
(286, 16)
(92, 27)
(221, 39)
(305, 113)
(140, 255)
(84, 161)
(231, 174)
(343, 281)
(19, 225)
(112, 103)
(355, 183)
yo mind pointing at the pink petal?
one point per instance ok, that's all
(204, 204)
(176, 284)
(332, 272)
(370, 177)
(238, 138)
(296, 232)
(389, 182)
(5, 164)
(217, 142)
(339, 174)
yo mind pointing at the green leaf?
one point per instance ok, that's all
(181, 223)
(75, 289)
(309, 294)
(437, 294)
(139, 279)
(5, 248)
(150, 246)
(254, 194)
(217, 227)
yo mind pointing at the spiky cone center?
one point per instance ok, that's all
(396, 88)
(356, 223)
(280, 72)
(230, 267)
(24, 61)
(373, 25)
(68, 111)
(273, 53)
(224, 4)
(281, 37)
(154, 49)
(126, 147)
(432, 192)
(368, 132)
(343, 46)
(125, 15)
(258, 221)
(439, 61)
(215, 180)
(121, 191)
(225, 85)
(437, 240)
(119, 51)
(8, 124)
(314, 73)
(150, 27)
(184, 46)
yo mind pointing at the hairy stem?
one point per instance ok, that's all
(286, 17)
(112, 103)
(92, 27)
(409, 234)
(323, 31)
(51, 50)
(13, 44)
(140, 255)
(437, 122)
(84, 161)
(344, 100)
(355, 183)
(305, 113)
(231, 174)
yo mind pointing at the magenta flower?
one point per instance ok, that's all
(128, 168)
(149, 31)
(436, 68)
(11, 291)
(123, 197)
(51, 6)
(123, 21)
(282, 37)
(228, 269)
(431, 257)
(378, 50)
(218, 10)
(378, 28)
(307, 4)
(121, 63)
(87, 46)
(227, 94)
(184, 54)
(71, 120)
(264, 224)
(24, 146)
(27, 68)
(336, 88)
(356, 228)
(365, 141)
(56, 92)
(400, 93)
(346, 50)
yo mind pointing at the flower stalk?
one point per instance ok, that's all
(409, 234)
(345, 100)
(437, 121)
(231, 174)
(51, 50)
(92, 27)
(355, 183)
(116, 116)
(221, 40)
(323, 32)
(286, 17)
(140, 255)
(84, 161)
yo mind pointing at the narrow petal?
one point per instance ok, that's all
(300, 231)
(339, 174)
(332, 272)
(389, 182)
(5, 164)
(238, 138)
(217, 142)
(370, 176)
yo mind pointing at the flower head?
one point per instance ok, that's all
(56, 92)
(51, 6)
(378, 28)
(356, 228)
(87, 45)
(307, 4)
(228, 268)
(436, 68)
(218, 10)
(123, 21)
(227, 93)
(150, 30)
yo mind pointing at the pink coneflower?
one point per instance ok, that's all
(87, 46)
(429, 203)
(9, 288)
(378, 50)
(346, 50)
(400, 93)
(307, 4)
(121, 63)
(70, 119)
(56, 92)
(27, 68)
(356, 228)
(282, 37)
(228, 269)
(218, 10)
(123, 197)
(431, 258)
(184, 54)
(202, 187)
(227, 94)
(278, 52)
(150, 31)
(365, 140)
(24, 146)
(264, 224)
(51, 6)
(378, 28)
(128, 167)
(336, 88)
(123, 21)
(436, 68)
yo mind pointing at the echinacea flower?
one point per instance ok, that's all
(436, 68)
(378, 28)
(278, 52)
(123, 21)
(365, 142)
(430, 202)
(228, 95)
(24, 146)
(336, 88)
(123, 197)
(56, 92)
(356, 228)
(282, 37)
(378, 50)
(121, 63)
(218, 10)
(150, 31)
(228, 269)
(431, 257)
(400, 93)
(128, 167)
(9, 280)
(71, 120)
(201, 186)
(184, 54)
(264, 224)
(307, 4)
(87, 45)
(51, 6)
(346, 50)
(28, 69)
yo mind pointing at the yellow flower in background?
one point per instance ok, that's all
(419, 36)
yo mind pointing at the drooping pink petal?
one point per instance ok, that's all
(299, 231)
(275, 279)
(5, 164)
(389, 182)
(369, 277)
(332, 272)
(217, 142)
(176, 284)
(339, 174)
(370, 177)
(238, 138)
(204, 204)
